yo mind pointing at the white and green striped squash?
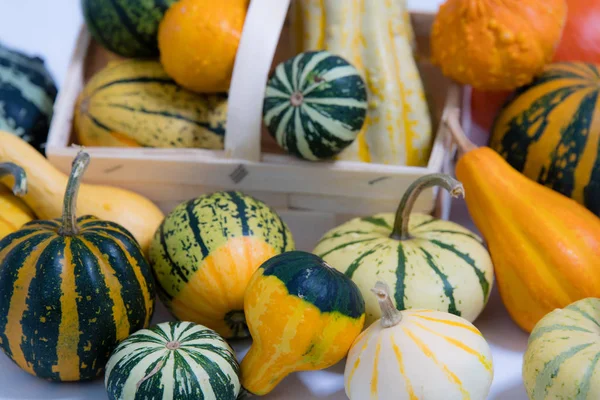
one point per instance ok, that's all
(562, 360)
(173, 360)
(427, 262)
(315, 105)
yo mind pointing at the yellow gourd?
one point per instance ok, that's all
(13, 212)
(377, 38)
(47, 186)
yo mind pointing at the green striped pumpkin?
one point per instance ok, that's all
(70, 291)
(134, 103)
(548, 131)
(315, 105)
(126, 27)
(27, 94)
(562, 360)
(173, 360)
(205, 252)
(428, 263)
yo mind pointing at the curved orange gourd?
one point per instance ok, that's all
(496, 45)
(545, 247)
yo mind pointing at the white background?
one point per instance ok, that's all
(48, 28)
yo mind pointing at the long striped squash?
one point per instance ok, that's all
(418, 355)
(315, 105)
(27, 94)
(70, 291)
(562, 360)
(429, 263)
(134, 103)
(14, 213)
(548, 131)
(377, 38)
(303, 315)
(173, 360)
(126, 27)
(205, 252)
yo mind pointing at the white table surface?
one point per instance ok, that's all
(48, 28)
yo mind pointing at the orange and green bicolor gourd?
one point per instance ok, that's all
(71, 289)
(13, 212)
(205, 252)
(302, 315)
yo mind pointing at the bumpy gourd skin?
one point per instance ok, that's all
(496, 45)
(545, 247)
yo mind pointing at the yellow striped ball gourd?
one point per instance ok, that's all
(134, 103)
(205, 252)
(13, 212)
(429, 263)
(302, 314)
(70, 291)
(562, 360)
(418, 355)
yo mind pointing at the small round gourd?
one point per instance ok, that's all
(205, 252)
(315, 105)
(173, 360)
(496, 45)
(562, 360)
(71, 289)
(128, 28)
(429, 263)
(302, 314)
(418, 355)
(547, 131)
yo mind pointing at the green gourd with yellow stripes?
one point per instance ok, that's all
(70, 290)
(134, 103)
(205, 252)
(427, 262)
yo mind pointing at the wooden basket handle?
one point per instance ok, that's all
(262, 29)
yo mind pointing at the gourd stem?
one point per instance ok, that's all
(400, 231)
(452, 121)
(69, 217)
(18, 173)
(390, 316)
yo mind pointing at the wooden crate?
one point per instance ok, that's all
(311, 196)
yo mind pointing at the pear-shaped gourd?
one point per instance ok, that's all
(429, 263)
(545, 246)
(302, 315)
(418, 355)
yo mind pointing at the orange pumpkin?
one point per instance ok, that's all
(545, 247)
(581, 37)
(496, 45)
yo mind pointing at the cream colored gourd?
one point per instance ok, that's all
(46, 187)
(378, 40)
(418, 355)
(562, 360)
(428, 262)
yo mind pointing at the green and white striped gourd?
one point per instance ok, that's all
(315, 105)
(173, 360)
(427, 262)
(562, 360)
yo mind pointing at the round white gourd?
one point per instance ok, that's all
(418, 355)
(173, 360)
(562, 360)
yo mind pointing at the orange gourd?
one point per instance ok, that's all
(581, 36)
(545, 247)
(496, 45)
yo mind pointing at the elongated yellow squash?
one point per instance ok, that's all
(377, 38)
